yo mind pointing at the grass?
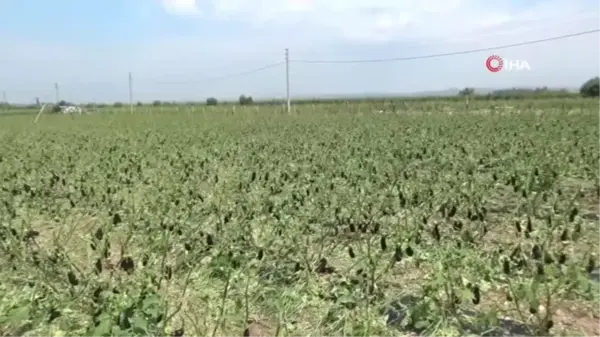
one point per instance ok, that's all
(334, 220)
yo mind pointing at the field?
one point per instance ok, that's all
(337, 219)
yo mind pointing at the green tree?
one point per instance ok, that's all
(211, 101)
(466, 92)
(118, 104)
(591, 88)
(245, 100)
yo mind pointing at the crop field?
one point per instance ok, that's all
(337, 219)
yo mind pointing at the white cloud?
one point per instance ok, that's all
(385, 20)
(181, 7)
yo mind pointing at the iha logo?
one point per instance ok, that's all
(496, 63)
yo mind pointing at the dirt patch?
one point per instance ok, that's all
(578, 322)
(258, 329)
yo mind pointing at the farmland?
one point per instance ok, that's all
(338, 219)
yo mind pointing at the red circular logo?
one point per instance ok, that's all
(494, 63)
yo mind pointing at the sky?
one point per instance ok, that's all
(188, 50)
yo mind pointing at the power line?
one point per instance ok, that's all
(215, 79)
(244, 73)
(191, 81)
(471, 51)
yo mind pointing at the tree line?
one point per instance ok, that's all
(591, 88)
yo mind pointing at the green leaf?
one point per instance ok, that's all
(151, 302)
(534, 289)
(465, 294)
(19, 315)
(104, 328)
(139, 324)
(420, 325)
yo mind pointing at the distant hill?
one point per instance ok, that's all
(451, 92)
(435, 93)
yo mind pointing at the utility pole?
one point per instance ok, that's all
(130, 93)
(4, 101)
(57, 92)
(287, 80)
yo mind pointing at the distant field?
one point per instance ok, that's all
(357, 219)
(404, 104)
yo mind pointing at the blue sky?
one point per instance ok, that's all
(176, 48)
